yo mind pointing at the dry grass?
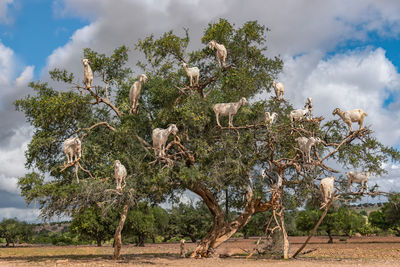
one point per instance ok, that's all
(366, 251)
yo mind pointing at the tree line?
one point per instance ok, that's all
(151, 223)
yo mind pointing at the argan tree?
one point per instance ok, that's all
(222, 165)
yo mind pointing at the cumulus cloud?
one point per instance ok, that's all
(358, 79)
(4, 16)
(28, 215)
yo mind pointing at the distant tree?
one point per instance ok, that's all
(14, 231)
(91, 225)
(141, 223)
(189, 220)
(388, 216)
(336, 221)
(391, 210)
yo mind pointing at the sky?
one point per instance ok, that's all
(341, 53)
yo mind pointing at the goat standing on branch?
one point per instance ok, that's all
(309, 105)
(87, 73)
(275, 180)
(360, 178)
(228, 109)
(305, 145)
(160, 137)
(298, 114)
(279, 89)
(270, 119)
(326, 189)
(72, 148)
(134, 93)
(221, 52)
(120, 174)
(192, 73)
(350, 116)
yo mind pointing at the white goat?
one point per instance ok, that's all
(279, 89)
(119, 173)
(270, 119)
(160, 137)
(360, 178)
(192, 73)
(274, 178)
(298, 114)
(87, 73)
(354, 115)
(134, 93)
(72, 148)
(326, 189)
(228, 109)
(309, 105)
(221, 52)
(305, 145)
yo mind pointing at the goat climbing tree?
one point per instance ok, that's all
(216, 163)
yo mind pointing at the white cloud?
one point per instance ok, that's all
(358, 79)
(9, 184)
(25, 77)
(28, 215)
(4, 16)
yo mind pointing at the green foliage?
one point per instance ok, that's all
(340, 221)
(188, 220)
(145, 222)
(388, 216)
(14, 231)
(91, 225)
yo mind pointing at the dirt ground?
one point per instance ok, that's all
(357, 251)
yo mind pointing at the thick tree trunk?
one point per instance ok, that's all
(99, 241)
(222, 230)
(117, 235)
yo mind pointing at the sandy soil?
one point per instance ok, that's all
(357, 251)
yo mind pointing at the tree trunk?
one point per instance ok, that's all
(226, 204)
(285, 240)
(140, 240)
(330, 241)
(222, 230)
(117, 235)
(98, 241)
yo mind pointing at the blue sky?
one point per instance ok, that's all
(342, 53)
(36, 30)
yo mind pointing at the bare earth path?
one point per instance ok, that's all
(357, 251)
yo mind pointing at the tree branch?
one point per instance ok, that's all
(100, 99)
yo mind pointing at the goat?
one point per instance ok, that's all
(221, 51)
(279, 89)
(298, 114)
(354, 115)
(305, 145)
(360, 178)
(228, 109)
(87, 73)
(72, 148)
(326, 189)
(160, 137)
(192, 73)
(309, 105)
(119, 173)
(270, 119)
(134, 93)
(274, 178)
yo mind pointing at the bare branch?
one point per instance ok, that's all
(100, 99)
